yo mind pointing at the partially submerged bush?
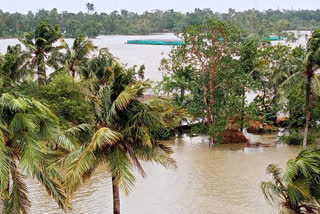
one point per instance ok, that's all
(199, 129)
(294, 138)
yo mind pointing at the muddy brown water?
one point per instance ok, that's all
(221, 179)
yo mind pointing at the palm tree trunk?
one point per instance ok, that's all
(116, 197)
(242, 110)
(308, 106)
(42, 77)
(182, 92)
(73, 72)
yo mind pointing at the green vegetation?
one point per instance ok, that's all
(297, 190)
(219, 64)
(294, 138)
(260, 23)
(91, 110)
(40, 46)
(27, 129)
(121, 135)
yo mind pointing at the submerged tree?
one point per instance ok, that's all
(122, 132)
(247, 62)
(178, 77)
(312, 62)
(27, 128)
(307, 75)
(210, 47)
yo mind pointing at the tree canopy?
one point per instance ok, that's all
(260, 23)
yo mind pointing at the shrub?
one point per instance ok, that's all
(294, 138)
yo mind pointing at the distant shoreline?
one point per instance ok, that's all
(150, 34)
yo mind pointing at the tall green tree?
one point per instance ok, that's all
(27, 128)
(210, 46)
(275, 63)
(308, 76)
(121, 133)
(74, 58)
(247, 62)
(14, 67)
(312, 63)
(41, 46)
(90, 7)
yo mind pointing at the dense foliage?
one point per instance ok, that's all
(124, 22)
(58, 128)
(219, 66)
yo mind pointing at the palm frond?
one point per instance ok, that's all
(53, 188)
(124, 98)
(299, 190)
(14, 104)
(134, 159)
(5, 164)
(22, 122)
(121, 169)
(80, 164)
(19, 201)
(158, 153)
(63, 141)
(75, 130)
(271, 192)
(103, 137)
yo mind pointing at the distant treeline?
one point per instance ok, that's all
(261, 23)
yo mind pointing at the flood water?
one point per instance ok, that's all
(149, 55)
(219, 180)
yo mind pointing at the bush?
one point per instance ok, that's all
(64, 96)
(199, 129)
(294, 138)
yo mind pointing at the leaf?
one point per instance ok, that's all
(123, 99)
(19, 201)
(104, 136)
(121, 167)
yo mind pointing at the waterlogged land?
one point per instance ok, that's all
(149, 55)
(220, 179)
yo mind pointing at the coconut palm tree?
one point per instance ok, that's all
(308, 75)
(27, 129)
(90, 7)
(74, 58)
(121, 134)
(99, 69)
(41, 46)
(14, 66)
(312, 62)
(298, 190)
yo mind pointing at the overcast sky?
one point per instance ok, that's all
(143, 5)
